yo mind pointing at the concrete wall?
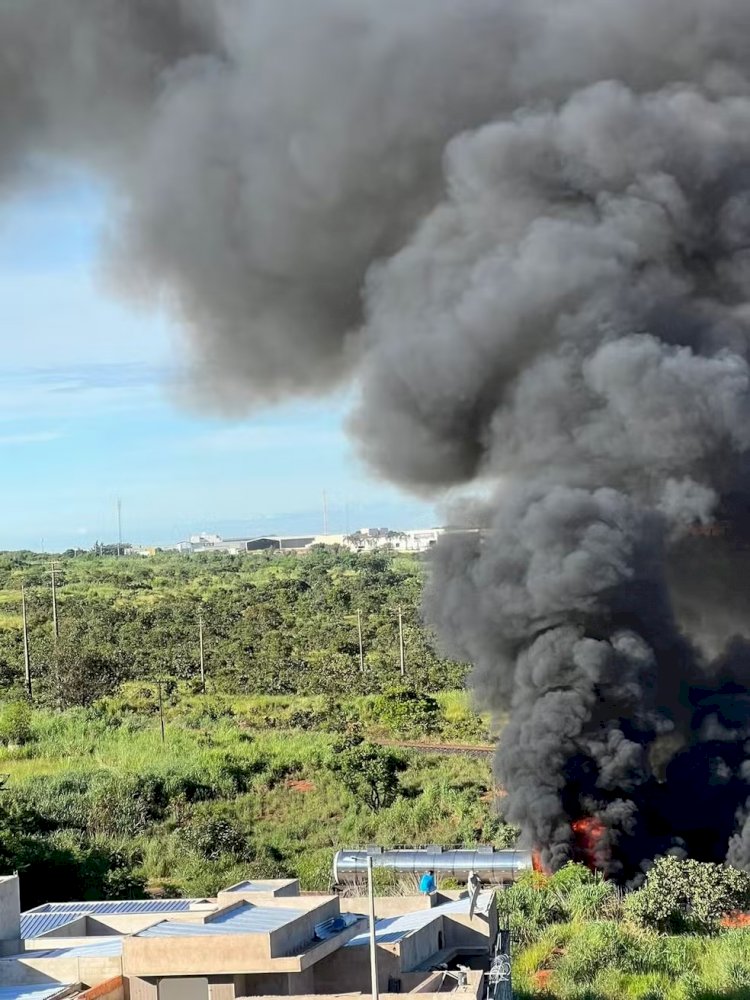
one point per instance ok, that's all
(262, 985)
(89, 970)
(348, 970)
(221, 990)
(233, 953)
(478, 932)
(10, 915)
(422, 944)
(131, 923)
(140, 989)
(294, 937)
(272, 889)
(195, 956)
(387, 906)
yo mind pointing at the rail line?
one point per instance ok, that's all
(441, 749)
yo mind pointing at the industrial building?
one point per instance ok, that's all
(253, 939)
(415, 540)
(257, 543)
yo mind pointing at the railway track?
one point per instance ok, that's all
(441, 749)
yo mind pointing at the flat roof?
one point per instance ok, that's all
(101, 949)
(258, 886)
(120, 906)
(33, 992)
(392, 929)
(245, 919)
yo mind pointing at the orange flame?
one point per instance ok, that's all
(538, 865)
(587, 835)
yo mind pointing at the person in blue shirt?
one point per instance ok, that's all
(427, 884)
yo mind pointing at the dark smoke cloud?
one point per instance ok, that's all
(523, 228)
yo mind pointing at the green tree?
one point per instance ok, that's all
(369, 772)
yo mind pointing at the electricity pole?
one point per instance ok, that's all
(203, 666)
(401, 639)
(55, 620)
(161, 713)
(26, 657)
(119, 526)
(361, 647)
(325, 513)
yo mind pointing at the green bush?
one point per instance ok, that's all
(15, 723)
(212, 836)
(688, 895)
(406, 712)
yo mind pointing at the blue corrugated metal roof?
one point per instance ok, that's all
(393, 929)
(247, 919)
(34, 924)
(32, 992)
(121, 906)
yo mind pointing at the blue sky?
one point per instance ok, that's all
(88, 413)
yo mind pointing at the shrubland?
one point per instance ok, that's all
(273, 624)
(251, 786)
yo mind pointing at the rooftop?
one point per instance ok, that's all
(393, 929)
(245, 919)
(33, 992)
(98, 949)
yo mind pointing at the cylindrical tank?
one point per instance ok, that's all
(494, 867)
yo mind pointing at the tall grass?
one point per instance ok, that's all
(565, 949)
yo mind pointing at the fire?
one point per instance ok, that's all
(735, 920)
(587, 836)
(538, 865)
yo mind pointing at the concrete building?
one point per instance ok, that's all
(261, 543)
(253, 939)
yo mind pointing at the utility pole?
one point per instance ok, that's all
(325, 513)
(26, 657)
(203, 666)
(373, 931)
(401, 639)
(55, 619)
(161, 713)
(361, 647)
(119, 526)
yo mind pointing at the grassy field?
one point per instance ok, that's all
(239, 787)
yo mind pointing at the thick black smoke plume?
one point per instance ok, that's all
(523, 226)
